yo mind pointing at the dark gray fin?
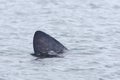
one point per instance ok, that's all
(44, 43)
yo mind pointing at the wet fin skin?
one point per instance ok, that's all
(44, 43)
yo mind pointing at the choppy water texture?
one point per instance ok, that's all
(90, 29)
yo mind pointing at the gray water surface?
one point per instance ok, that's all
(90, 29)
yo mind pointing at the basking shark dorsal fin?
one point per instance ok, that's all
(44, 43)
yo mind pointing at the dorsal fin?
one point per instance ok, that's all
(44, 43)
